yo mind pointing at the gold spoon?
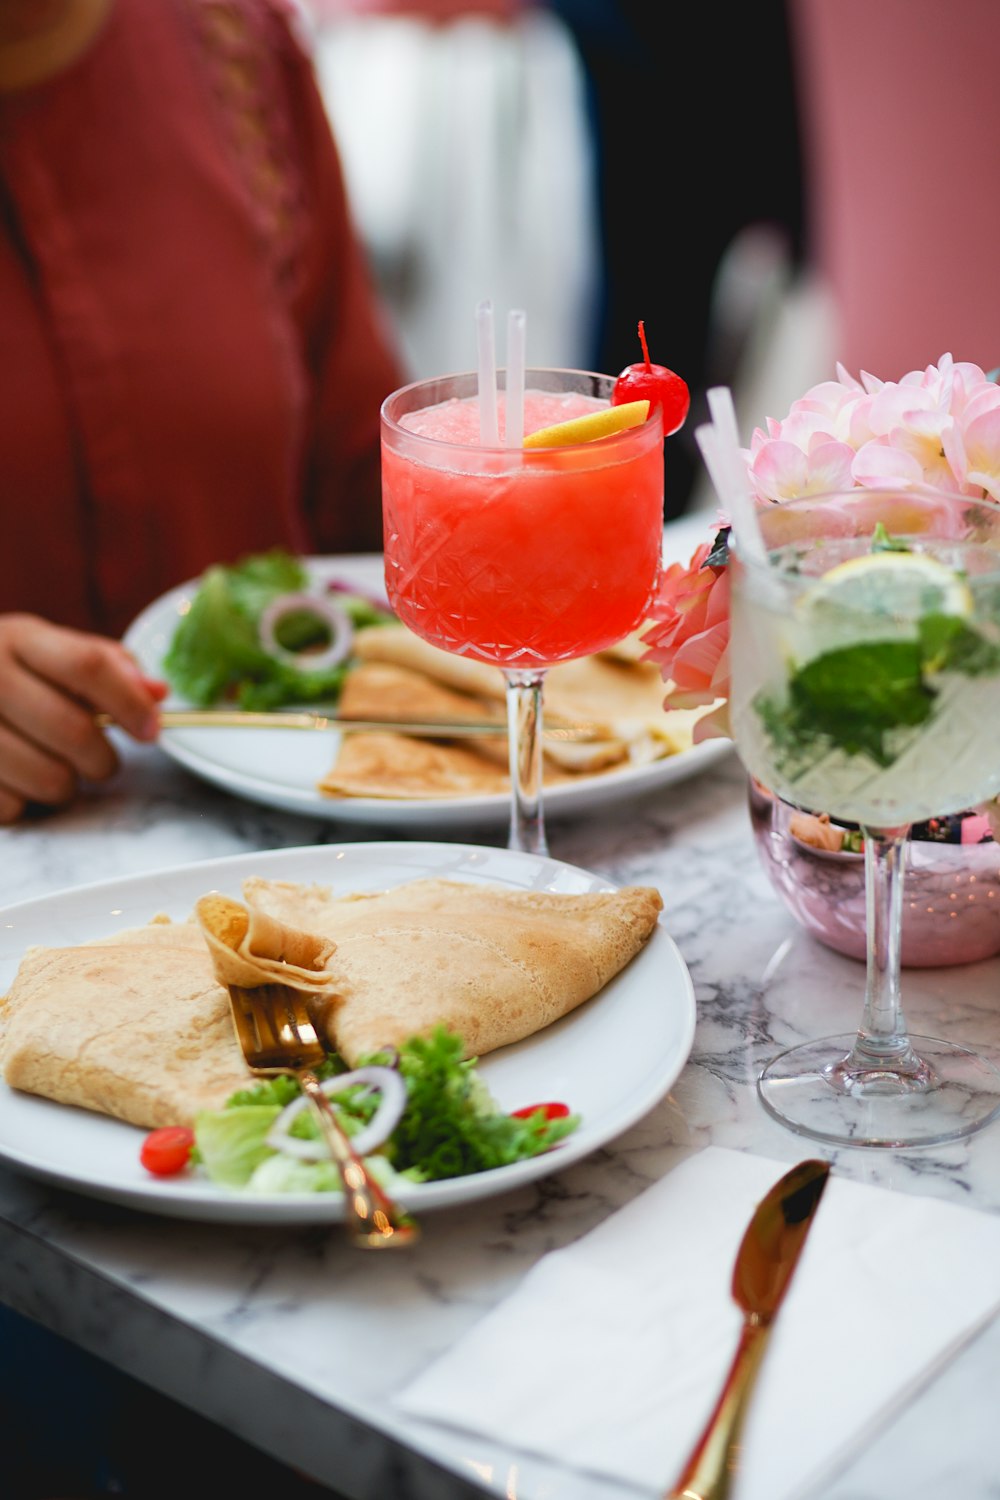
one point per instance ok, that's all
(767, 1257)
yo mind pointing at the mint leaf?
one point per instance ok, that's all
(948, 644)
(855, 695)
(850, 698)
(882, 541)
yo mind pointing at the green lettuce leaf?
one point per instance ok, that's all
(230, 1142)
(452, 1126)
(215, 654)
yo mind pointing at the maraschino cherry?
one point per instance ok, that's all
(655, 384)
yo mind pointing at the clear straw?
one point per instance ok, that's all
(706, 438)
(514, 406)
(489, 435)
(720, 445)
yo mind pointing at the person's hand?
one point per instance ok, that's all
(52, 683)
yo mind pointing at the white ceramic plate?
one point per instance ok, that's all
(281, 767)
(611, 1060)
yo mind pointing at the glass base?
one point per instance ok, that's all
(814, 1090)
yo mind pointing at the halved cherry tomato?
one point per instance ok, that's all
(552, 1111)
(167, 1151)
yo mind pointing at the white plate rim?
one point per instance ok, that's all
(203, 752)
(653, 995)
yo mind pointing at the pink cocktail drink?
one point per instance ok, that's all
(518, 557)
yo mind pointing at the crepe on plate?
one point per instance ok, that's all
(133, 1026)
(383, 764)
(494, 965)
(137, 1026)
(398, 674)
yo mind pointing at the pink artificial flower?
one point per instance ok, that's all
(908, 422)
(975, 451)
(782, 470)
(937, 428)
(690, 640)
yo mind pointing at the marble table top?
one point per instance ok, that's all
(295, 1342)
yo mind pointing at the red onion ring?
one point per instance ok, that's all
(338, 621)
(386, 1081)
(376, 601)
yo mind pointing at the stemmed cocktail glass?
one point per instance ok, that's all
(865, 653)
(519, 557)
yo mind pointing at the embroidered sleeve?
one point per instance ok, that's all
(241, 41)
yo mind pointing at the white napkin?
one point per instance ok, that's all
(612, 1352)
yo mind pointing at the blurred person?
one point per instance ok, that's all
(465, 137)
(900, 123)
(192, 356)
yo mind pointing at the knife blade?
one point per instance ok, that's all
(224, 718)
(767, 1257)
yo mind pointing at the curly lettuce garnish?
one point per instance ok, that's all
(451, 1126)
(216, 653)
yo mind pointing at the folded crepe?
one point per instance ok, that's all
(620, 698)
(372, 685)
(250, 948)
(139, 1026)
(492, 964)
(134, 1026)
(383, 764)
(374, 689)
(401, 766)
(614, 695)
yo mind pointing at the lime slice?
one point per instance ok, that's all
(596, 424)
(880, 595)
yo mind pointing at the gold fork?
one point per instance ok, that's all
(276, 1035)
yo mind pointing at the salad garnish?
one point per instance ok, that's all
(422, 1113)
(306, 631)
(167, 1151)
(238, 643)
(386, 1082)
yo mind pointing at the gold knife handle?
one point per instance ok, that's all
(709, 1472)
(221, 718)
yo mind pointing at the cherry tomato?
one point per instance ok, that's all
(552, 1111)
(655, 384)
(167, 1151)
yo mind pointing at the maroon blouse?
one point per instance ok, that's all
(191, 361)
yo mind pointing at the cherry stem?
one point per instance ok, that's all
(642, 341)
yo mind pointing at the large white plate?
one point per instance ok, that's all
(281, 767)
(611, 1060)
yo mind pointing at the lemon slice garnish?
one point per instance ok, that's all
(906, 584)
(596, 424)
(881, 595)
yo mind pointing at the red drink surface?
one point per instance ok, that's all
(457, 420)
(516, 557)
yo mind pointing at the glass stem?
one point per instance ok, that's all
(524, 738)
(883, 1044)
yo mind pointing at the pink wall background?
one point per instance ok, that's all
(900, 109)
